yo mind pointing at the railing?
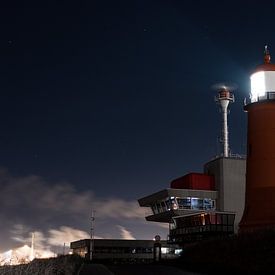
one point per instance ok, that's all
(225, 95)
(237, 156)
(196, 233)
(202, 228)
(231, 155)
(266, 96)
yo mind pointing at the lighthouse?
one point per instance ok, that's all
(259, 212)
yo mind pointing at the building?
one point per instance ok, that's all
(199, 206)
(229, 174)
(125, 250)
(208, 204)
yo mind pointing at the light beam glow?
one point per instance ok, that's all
(257, 85)
(262, 83)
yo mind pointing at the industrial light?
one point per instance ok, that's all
(164, 250)
(257, 85)
(178, 251)
(175, 207)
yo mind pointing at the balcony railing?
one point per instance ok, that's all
(201, 226)
(266, 96)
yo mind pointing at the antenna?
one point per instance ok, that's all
(223, 98)
(32, 248)
(92, 234)
(267, 56)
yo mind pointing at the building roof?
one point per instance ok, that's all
(115, 243)
(170, 192)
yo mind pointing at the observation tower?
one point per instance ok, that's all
(223, 98)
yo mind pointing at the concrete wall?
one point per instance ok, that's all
(229, 176)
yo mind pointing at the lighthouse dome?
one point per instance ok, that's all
(263, 80)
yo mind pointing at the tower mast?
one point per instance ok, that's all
(92, 235)
(223, 98)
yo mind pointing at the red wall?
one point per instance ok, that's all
(259, 212)
(194, 181)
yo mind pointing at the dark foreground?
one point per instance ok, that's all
(65, 265)
(244, 254)
(145, 269)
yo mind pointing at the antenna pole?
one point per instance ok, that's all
(92, 235)
(32, 248)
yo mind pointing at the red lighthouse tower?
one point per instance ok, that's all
(259, 212)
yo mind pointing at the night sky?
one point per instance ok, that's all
(104, 102)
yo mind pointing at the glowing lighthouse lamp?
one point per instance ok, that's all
(263, 80)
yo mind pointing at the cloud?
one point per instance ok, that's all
(125, 234)
(58, 213)
(118, 208)
(65, 234)
(48, 244)
(61, 199)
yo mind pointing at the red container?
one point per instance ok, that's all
(195, 181)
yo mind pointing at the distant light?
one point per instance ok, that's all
(164, 250)
(175, 207)
(257, 85)
(178, 251)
